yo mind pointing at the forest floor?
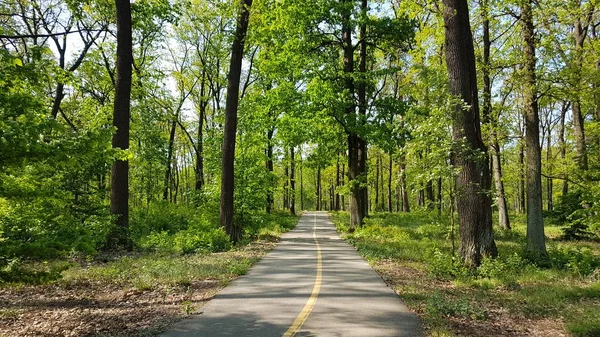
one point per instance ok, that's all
(509, 296)
(135, 295)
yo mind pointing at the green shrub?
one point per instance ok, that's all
(502, 267)
(159, 217)
(444, 267)
(439, 305)
(580, 261)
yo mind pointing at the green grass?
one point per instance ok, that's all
(147, 269)
(566, 287)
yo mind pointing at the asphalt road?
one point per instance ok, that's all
(311, 284)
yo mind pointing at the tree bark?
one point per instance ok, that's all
(292, 195)
(269, 164)
(429, 192)
(337, 184)
(403, 189)
(230, 128)
(286, 184)
(522, 199)
(319, 203)
(578, 117)
(170, 157)
(390, 171)
(503, 219)
(357, 210)
(536, 241)
(119, 185)
(549, 182)
(473, 200)
(563, 144)
(200, 135)
(362, 112)
(377, 172)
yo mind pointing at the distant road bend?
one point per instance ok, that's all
(311, 284)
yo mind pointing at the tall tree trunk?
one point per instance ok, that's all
(269, 164)
(522, 199)
(357, 210)
(230, 128)
(563, 144)
(429, 192)
(390, 169)
(168, 179)
(200, 135)
(421, 196)
(377, 171)
(337, 184)
(439, 196)
(362, 108)
(579, 33)
(342, 196)
(473, 201)
(319, 203)
(403, 189)
(549, 183)
(119, 180)
(292, 182)
(503, 219)
(301, 181)
(286, 183)
(488, 119)
(536, 241)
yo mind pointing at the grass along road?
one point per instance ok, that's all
(506, 297)
(139, 294)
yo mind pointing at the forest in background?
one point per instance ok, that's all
(342, 105)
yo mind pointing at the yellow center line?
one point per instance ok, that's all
(299, 321)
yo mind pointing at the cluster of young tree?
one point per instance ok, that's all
(262, 105)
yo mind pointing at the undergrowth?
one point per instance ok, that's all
(172, 245)
(564, 287)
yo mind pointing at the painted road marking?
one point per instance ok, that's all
(299, 321)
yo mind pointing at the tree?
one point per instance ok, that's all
(469, 154)
(230, 128)
(536, 241)
(119, 182)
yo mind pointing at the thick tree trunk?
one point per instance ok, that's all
(119, 182)
(536, 241)
(362, 112)
(230, 128)
(473, 182)
(356, 207)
